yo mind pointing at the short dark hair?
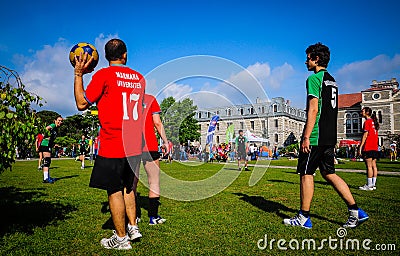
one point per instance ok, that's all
(114, 49)
(320, 50)
(240, 131)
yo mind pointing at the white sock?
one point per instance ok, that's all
(132, 226)
(369, 182)
(120, 239)
(374, 181)
(45, 175)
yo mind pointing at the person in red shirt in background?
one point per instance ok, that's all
(170, 151)
(369, 147)
(38, 141)
(118, 92)
(151, 155)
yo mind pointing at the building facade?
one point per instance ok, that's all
(274, 120)
(383, 97)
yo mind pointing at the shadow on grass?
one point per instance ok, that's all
(275, 207)
(142, 202)
(282, 181)
(23, 210)
(67, 177)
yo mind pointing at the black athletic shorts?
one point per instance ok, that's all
(115, 174)
(82, 151)
(242, 155)
(370, 154)
(150, 156)
(44, 149)
(322, 157)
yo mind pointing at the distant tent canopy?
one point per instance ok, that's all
(253, 138)
(345, 143)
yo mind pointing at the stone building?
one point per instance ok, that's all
(275, 120)
(383, 97)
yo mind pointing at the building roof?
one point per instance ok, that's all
(349, 100)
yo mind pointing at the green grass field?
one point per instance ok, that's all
(69, 218)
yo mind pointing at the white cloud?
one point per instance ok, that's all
(245, 86)
(178, 91)
(49, 74)
(358, 75)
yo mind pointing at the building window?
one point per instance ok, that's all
(241, 111)
(263, 124)
(208, 114)
(251, 111)
(252, 125)
(228, 111)
(199, 114)
(376, 96)
(263, 109)
(355, 123)
(217, 139)
(241, 125)
(276, 123)
(217, 126)
(217, 112)
(275, 108)
(348, 123)
(276, 138)
(379, 116)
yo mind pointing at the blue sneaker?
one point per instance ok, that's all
(156, 220)
(299, 220)
(356, 217)
(49, 180)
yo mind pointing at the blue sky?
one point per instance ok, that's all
(265, 38)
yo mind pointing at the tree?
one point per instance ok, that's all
(18, 121)
(178, 119)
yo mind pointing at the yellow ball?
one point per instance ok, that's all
(79, 48)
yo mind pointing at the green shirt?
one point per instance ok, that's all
(322, 86)
(50, 136)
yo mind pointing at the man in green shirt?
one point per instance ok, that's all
(46, 146)
(241, 148)
(319, 140)
(83, 145)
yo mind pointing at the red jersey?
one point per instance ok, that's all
(39, 137)
(371, 142)
(118, 92)
(151, 107)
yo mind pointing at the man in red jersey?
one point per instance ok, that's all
(118, 92)
(151, 155)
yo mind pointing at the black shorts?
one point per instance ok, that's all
(371, 154)
(45, 149)
(115, 174)
(242, 155)
(82, 151)
(150, 156)
(322, 157)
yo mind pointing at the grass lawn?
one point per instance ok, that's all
(69, 218)
(382, 164)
